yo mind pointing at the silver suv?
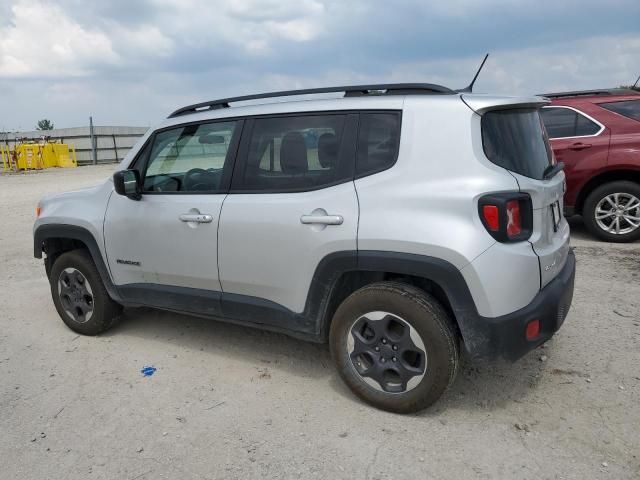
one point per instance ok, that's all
(400, 223)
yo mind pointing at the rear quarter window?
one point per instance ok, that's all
(378, 142)
(627, 108)
(515, 139)
(564, 122)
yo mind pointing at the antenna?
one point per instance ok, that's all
(469, 88)
(636, 84)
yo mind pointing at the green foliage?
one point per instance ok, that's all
(45, 124)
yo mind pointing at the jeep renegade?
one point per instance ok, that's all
(400, 223)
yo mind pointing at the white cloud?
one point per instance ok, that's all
(252, 26)
(42, 41)
(142, 41)
(66, 59)
(597, 62)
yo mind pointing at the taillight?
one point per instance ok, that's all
(491, 217)
(508, 217)
(514, 226)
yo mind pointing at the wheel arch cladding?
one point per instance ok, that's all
(448, 284)
(68, 236)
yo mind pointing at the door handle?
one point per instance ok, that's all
(196, 217)
(579, 146)
(322, 219)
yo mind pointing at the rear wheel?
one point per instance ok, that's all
(612, 211)
(394, 345)
(80, 296)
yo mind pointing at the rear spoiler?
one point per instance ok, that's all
(483, 103)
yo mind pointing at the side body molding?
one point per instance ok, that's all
(313, 322)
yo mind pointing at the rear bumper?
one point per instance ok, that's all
(504, 337)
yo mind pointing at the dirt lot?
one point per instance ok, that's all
(232, 402)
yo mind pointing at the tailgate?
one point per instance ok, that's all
(515, 139)
(550, 238)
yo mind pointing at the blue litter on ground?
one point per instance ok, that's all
(148, 371)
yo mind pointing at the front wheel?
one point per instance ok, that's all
(395, 346)
(612, 211)
(79, 295)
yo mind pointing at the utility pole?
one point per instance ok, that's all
(94, 156)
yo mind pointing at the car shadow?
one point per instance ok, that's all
(479, 385)
(578, 230)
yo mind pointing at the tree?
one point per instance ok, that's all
(635, 86)
(45, 124)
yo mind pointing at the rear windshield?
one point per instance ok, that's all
(516, 140)
(628, 108)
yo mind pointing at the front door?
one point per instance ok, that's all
(167, 240)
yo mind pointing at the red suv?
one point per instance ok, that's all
(597, 135)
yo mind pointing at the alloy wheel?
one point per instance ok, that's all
(618, 213)
(386, 352)
(75, 295)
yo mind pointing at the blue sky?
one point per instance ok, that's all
(133, 62)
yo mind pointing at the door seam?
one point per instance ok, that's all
(218, 242)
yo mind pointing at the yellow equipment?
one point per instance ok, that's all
(29, 155)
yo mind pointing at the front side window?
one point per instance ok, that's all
(516, 140)
(562, 122)
(294, 153)
(627, 108)
(189, 158)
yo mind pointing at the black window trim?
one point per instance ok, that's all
(579, 112)
(349, 135)
(242, 136)
(398, 113)
(141, 160)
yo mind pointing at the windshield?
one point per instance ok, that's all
(516, 140)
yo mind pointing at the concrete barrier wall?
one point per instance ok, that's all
(112, 143)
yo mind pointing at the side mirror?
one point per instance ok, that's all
(127, 183)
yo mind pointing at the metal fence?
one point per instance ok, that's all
(112, 143)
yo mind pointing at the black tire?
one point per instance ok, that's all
(594, 198)
(100, 312)
(420, 311)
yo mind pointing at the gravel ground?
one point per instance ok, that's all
(233, 402)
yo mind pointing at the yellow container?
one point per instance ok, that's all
(4, 154)
(36, 156)
(29, 157)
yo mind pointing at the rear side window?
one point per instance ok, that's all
(294, 153)
(562, 122)
(516, 140)
(627, 108)
(378, 142)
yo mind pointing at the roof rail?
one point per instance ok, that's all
(585, 93)
(349, 91)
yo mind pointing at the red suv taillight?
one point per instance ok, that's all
(508, 217)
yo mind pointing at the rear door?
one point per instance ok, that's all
(292, 203)
(516, 140)
(579, 141)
